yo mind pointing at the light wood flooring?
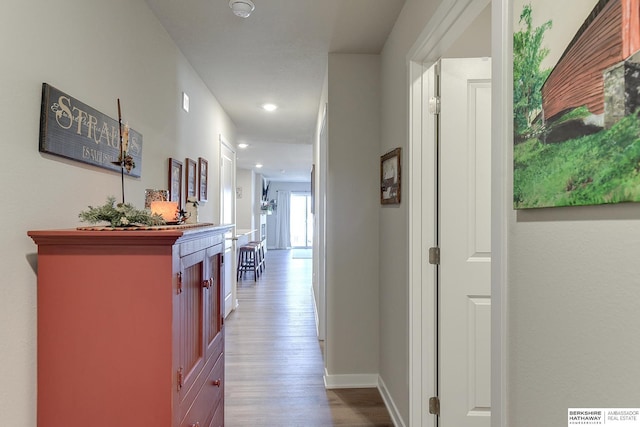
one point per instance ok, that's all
(274, 367)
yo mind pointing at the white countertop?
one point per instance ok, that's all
(242, 232)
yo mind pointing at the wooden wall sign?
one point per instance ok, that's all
(71, 129)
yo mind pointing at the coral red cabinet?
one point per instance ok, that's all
(130, 328)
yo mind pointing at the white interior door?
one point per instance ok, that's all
(228, 216)
(464, 288)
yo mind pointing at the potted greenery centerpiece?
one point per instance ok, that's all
(119, 215)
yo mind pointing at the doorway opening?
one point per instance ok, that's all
(301, 224)
(452, 22)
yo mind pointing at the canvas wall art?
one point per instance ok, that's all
(576, 99)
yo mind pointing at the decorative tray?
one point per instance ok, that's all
(144, 227)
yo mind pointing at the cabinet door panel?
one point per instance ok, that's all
(191, 351)
(213, 303)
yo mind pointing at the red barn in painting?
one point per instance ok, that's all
(598, 69)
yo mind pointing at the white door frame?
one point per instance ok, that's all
(501, 199)
(321, 217)
(234, 285)
(422, 279)
(447, 24)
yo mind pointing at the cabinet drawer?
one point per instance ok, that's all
(208, 399)
(190, 246)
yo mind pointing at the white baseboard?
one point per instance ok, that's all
(316, 316)
(350, 381)
(228, 306)
(390, 404)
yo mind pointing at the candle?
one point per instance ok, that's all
(151, 195)
(168, 210)
(125, 139)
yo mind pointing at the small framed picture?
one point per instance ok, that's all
(313, 191)
(175, 181)
(390, 168)
(203, 173)
(191, 178)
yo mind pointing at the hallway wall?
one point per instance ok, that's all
(96, 52)
(351, 353)
(574, 289)
(573, 292)
(393, 226)
(245, 204)
(394, 290)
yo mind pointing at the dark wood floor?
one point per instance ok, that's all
(274, 368)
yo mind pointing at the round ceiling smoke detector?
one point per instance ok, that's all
(242, 8)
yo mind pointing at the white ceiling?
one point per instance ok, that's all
(277, 55)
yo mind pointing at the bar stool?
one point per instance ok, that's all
(248, 260)
(261, 261)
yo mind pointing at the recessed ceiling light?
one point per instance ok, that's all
(243, 145)
(270, 107)
(258, 165)
(242, 8)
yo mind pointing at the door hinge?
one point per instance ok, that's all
(434, 405)
(434, 105)
(434, 255)
(179, 289)
(180, 379)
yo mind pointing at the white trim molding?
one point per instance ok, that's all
(350, 381)
(390, 404)
(316, 315)
(501, 201)
(415, 246)
(448, 23)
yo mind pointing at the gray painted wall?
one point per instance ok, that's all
(352, 215)
(393, 227)
(574, 287)
(573, 292)
(245, 209)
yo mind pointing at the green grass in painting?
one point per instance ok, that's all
(595, 169)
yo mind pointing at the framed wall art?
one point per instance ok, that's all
(203, 173)
(313, 188)
(576, 80)
(175, 181)
(390, 177)
(191, 178)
